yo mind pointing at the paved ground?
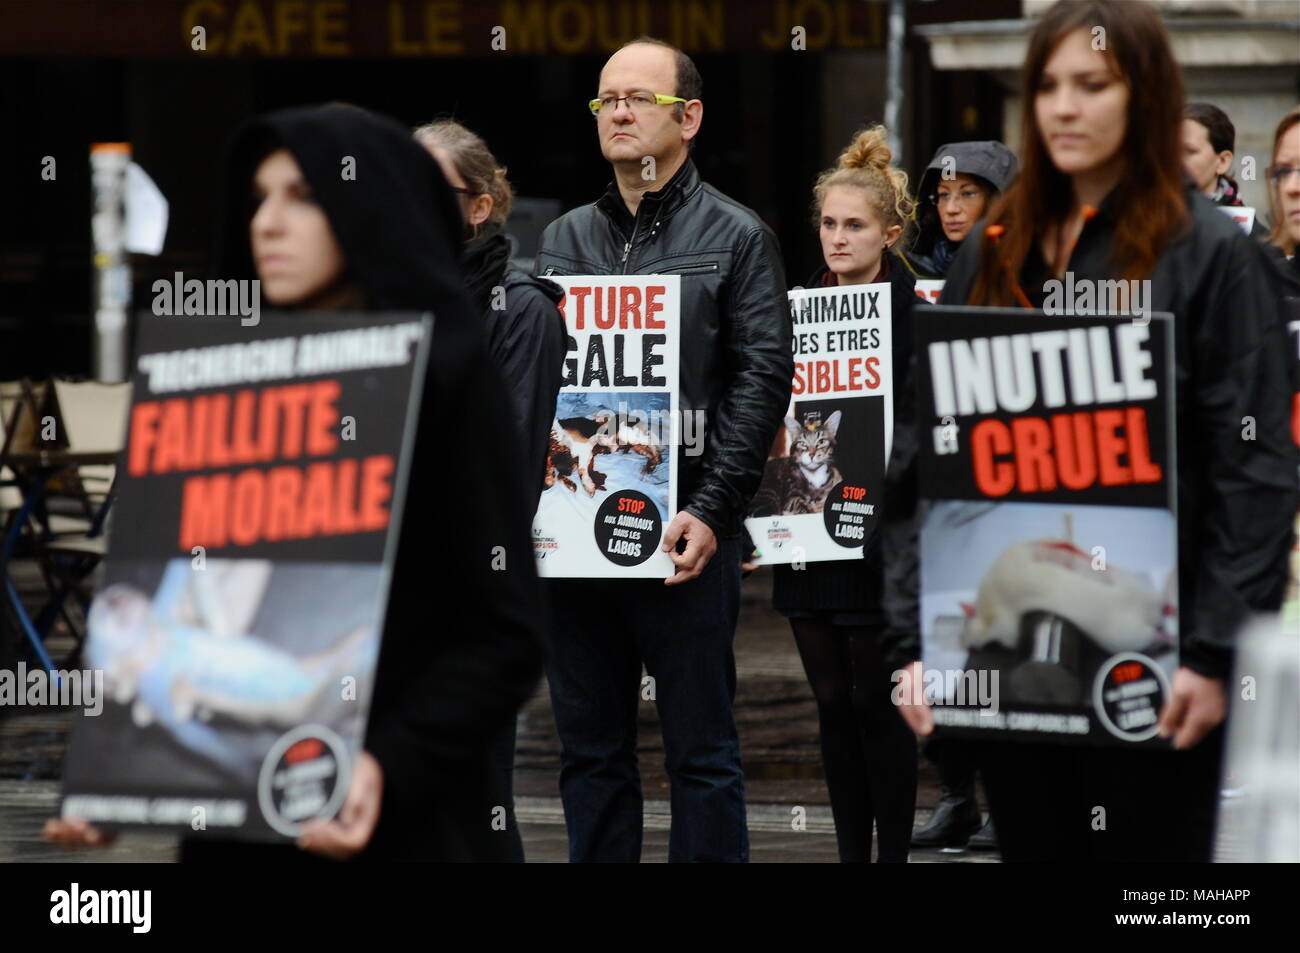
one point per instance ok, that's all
(775, 712)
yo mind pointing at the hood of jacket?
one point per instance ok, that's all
(393, 216)
(989, 159)
(442, 689)
(931, 252)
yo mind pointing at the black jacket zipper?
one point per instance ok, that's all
(627, 249)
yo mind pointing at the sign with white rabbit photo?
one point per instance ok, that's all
(1049, 553)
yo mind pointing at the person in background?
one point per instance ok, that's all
(957, 188)
(659, 217)
(1209, 139)
(462, 645)
(1283, 176)
(1284, 191)
(860, 208)
(525, 332)
(1101, 196)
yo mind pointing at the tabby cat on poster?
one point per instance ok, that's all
(801, 481)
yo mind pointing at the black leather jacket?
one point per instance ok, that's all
(736, 361)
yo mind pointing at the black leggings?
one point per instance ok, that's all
(868, 752)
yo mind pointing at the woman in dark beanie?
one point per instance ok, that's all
(1102, 195)
(957, 188)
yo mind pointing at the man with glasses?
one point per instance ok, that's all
(657, 217)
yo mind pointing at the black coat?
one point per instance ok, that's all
(1236, 498)
(462, 644)
(736, 363)
(526, 340)
(851, 585)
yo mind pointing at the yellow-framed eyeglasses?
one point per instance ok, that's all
(635, 102)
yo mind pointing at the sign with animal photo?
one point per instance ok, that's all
(611, 479)
(819, 497)
(1049, 544)
(239, 617)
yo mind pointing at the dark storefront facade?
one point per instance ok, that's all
(786, 83)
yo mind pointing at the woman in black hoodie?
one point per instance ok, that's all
(1101, 195)
(462, 646)
(860, 208)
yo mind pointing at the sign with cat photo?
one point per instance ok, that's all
(611, 476)
(819, 497)
(1049, 544)
(238, 622)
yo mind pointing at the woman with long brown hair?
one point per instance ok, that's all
(1101, 195)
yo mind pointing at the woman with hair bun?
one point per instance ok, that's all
(861, 208)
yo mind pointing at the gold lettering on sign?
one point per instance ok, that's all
(806, 13)
(847, 38)
(249, 29)
(525, 24)
(875, 25)
(329, 20)
(396, 27)
(290, 20)
(577, 40)
(777, 36)
(704, 18)
(611, 39)
(442, 25)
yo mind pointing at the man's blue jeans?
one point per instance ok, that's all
(604, 630)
